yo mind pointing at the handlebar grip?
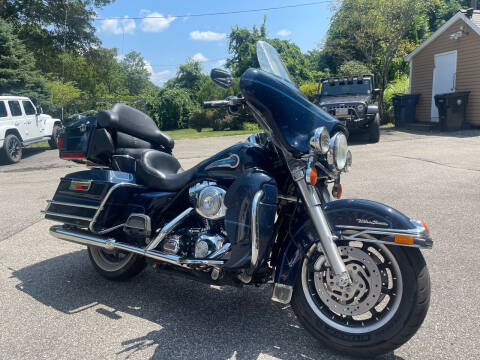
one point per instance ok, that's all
(216, 103)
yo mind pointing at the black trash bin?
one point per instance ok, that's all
(451, 110)
(405, 108)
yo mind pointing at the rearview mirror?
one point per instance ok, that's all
(222, 78)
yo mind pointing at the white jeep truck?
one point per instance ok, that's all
(21, 124)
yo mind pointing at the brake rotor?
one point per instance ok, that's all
(355, 299)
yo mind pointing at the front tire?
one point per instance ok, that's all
(374, 130)
(53, 142)
(116, 265)
(12, 149)
(395, 312)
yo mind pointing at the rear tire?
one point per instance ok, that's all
(115, 265)
(384, 331)
(11, 152)
(53, 142)
(374, 129)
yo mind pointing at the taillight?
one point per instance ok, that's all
(60, 143)
(72, 156)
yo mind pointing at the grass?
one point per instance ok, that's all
(194, 134)
(43, 144)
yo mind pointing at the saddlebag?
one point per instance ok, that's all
(94, 198)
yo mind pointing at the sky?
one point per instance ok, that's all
(167, 42)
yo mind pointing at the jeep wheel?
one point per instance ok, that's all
(374, 130)
(12, 149)
(53, 142)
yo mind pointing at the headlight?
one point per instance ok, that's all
(339, 147)
(360, 107)
(320, 141)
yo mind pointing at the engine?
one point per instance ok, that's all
(203, 242)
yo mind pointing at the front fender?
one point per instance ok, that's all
(356, 220)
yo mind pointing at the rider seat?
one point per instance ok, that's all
(160, 171)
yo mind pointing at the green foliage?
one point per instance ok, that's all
(201, 120)
(252, 127)
(136, 75)
(41, 25)
(18, 75)
(227, 122)
(397, 86)
(171, 108)
(310, 90)
(352, 68)
(63, 94)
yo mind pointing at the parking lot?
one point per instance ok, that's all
(54, 305)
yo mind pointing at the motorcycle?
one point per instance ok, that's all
(257, 212)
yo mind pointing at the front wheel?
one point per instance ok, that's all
(114, 264)
(12, 149)
(381, 311)
(374, 129)
(53, 142)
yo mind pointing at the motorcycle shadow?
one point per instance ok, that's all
(195, 320)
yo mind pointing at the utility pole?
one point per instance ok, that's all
(474, 4)
(64, 53)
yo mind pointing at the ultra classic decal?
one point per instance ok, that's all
(230, 162)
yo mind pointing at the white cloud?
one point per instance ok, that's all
(158, 78)
(220, 63)
(199, 57)
(119, 26)
(284, 32)
(155, 22)
(207, 35)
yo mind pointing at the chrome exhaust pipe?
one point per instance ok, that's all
(89, 239)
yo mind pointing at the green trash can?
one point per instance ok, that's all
(452, 109)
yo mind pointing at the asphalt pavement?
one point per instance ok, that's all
(54, 305)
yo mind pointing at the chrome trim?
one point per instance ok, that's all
(52, 213)
(85, 238)
(288, 198)
(105, 199)
(220, 251)
(282, 293)
(62, 203)
(168, 228)
(225, 162)
(420, 235)
(327, 241)
(254, 227)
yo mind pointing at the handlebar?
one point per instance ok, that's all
(230, 101)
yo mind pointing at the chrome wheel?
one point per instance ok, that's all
(369, 303)
(110, 260)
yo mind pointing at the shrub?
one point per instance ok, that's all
(310, 90)
(397, 86)
(253, 127)
(200, 120)
(227, 122)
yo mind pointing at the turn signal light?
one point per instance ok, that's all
(404, 239)
(60, 143)
(72, 156)
(313, 176)
(337, 191)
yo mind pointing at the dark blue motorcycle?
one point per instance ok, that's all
(258, 212)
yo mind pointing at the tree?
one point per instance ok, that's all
(375, 31)
(17, 69)
(353, 67)
(41, 25)
(63, 93)
(136, 73)
(171, 108)
(243, 48)
(189, 76)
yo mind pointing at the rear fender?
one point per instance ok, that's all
(356, 220)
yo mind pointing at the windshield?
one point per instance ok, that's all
(336, 87)
(270, 61)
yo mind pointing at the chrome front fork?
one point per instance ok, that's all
(327, 240)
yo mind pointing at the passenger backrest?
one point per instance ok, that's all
(125, 119)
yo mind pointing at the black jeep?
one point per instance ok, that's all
(352, 100)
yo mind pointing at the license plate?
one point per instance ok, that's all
(341, 112)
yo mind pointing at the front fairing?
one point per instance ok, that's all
(284, 111)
